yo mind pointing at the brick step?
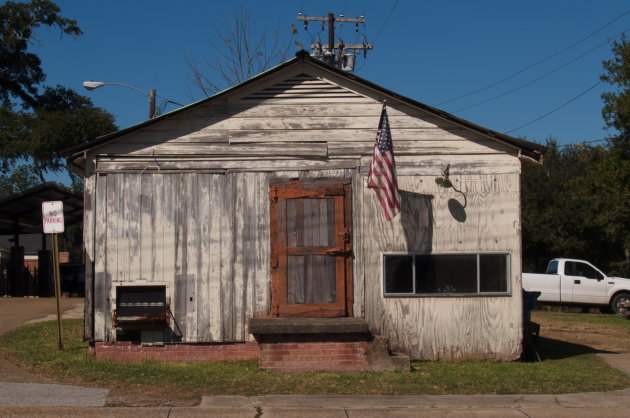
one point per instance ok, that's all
(293, 345)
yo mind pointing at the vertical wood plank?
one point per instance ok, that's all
(292, 237)
(89, 207)
(180, 205)
(102, 277)
(157, 229)
(347, 291)
(358, 225)
(300, 221)
(192, 257)
(246, 227)
(311, 226)
(146, 232)
(295, 279)
(133, 219)
(226, 205)
(309, 273)
(239, 276)
(203, 226)
(262, 275)
(166, 204)
(211, 251)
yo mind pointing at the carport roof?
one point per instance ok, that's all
(22, 212)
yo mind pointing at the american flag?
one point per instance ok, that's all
(382, 174)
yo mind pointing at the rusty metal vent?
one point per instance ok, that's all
(141, 304)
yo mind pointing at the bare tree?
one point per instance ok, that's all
(239, 54)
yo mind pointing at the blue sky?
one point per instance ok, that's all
(426, 50)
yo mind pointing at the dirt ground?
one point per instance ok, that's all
(596, 336)
(17, 311)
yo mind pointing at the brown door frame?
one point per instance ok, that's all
(341, 191)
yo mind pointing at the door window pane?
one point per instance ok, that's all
(311, 279)
(311, 222)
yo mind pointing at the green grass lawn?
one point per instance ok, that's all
(610, 320)
(34, 347)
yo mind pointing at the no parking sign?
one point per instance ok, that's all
(52, 217)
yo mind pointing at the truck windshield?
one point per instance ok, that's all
(552, 267)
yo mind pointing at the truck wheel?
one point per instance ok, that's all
(617, 300)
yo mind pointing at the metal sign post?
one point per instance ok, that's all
(53, 223)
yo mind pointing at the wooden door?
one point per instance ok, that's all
(311, 248)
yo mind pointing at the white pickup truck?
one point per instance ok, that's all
(578, 282)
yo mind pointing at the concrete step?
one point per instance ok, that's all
(382, 359)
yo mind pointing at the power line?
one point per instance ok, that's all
(537, 62)
(386, 21)
(557, 108)
(580, 143)
(566, 64)
(391, 11)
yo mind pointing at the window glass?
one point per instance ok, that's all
(570, 268)
(398, 273)
(552, 268)
(492, 273)
(446, 273)
(588, 271)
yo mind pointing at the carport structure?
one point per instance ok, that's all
(21, 214)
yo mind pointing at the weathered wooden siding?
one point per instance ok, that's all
(436, 328)
(185, 201)
(288, 122)
(205, 235)
(89, 204)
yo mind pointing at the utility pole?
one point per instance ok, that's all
(342, 59)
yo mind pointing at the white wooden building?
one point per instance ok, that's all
(254, 203)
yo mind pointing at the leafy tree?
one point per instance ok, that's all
(566, 210)
(20, 71)
(38, 122)
(578, 203)
(63, 119)
(615, 170)
(616, 110)
(20, 178)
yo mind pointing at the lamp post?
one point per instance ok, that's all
(91, 85)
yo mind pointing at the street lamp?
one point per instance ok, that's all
(91, 85)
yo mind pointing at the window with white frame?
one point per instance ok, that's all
(446, 274)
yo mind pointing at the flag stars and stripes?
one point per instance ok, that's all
(382, 175)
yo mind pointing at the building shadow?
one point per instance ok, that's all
(551, 349)
(417, 220)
